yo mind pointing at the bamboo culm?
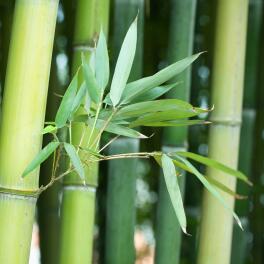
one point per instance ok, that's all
(23, 114)
(228, 71)
(121, 186)
(78, 203)
(240, 245)
(168, 242)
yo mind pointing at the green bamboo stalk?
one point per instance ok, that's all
(227, 83)
(256, 216)
(168, 242)
(48, 203)
(240, 247)
(121, 187)
(6, 18)
(6, 14)
(22, 121)
(78, 204)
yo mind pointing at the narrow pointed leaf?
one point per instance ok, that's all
(41, 157)
(224, 188)
(154, 93)
(65, 108)
(175, 123)
(210, 188)
(49, 129)
(160, 77)
(118, 129)
(75, 160)
(174, 190)
(102, 62)
(93, 89)
(124, 64)
(78, 98)
(142, 108)
(215, 164)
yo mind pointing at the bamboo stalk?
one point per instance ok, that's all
(121, 186)
(6, 15)
(256, 216)
(78, 204)
(240, 246)
(22, 121)
(49, 203)
(227, 83)
(168, 242)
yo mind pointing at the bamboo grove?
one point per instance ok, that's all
(131, 131)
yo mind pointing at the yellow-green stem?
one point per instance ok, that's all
(78, 204)
(216, 222)
(23, 113)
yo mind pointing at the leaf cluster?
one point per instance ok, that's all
(118, 108)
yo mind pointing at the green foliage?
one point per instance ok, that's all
(126, 106)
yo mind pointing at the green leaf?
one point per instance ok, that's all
(124, 64)
(118, 129)
(42, 156)
(90, 80)
(175, 123)
(216, 165)
(65, 108)
(75, 160)
(209, 187)
(177, 107)
(154, 93)
(78, 98)
(49, 129)
(102, 62)
(158, 78)
(174, 190)
(224, 188)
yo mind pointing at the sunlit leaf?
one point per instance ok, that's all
(102, 62)
(41, 157)
(224, 188)
(79, 98)
(118, 129)
(124, 64)
(65, 108)
(93, 89)
(154, 93)
(215, 164)
(175, 123)
(49, 129)
(158, 78)
(209, 187)
(177, 107)
(174, 190)
(75, 160)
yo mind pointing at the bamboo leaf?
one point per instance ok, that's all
(42, 156)
(154, 93)
(215, 164)
(102, 62)
(90, 80)
(118, 129)
(65, 108)
(75, 160)
(177, 107)
(158, 78)
(175, 123)
(174, 190)
(78, 98)
(209, 187)
(224, 188)
(49, 129)
(124, 64)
